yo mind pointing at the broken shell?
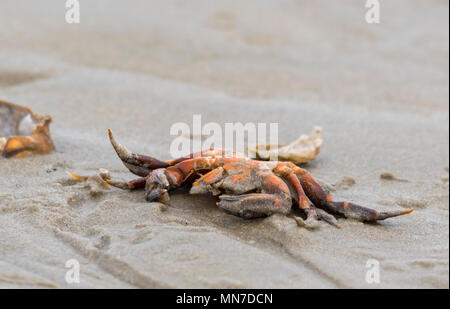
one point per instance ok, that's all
(22, 132)
(302, 150)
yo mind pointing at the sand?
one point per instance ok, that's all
(379, 92)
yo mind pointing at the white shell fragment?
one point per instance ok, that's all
(3, 141)
(302, 150)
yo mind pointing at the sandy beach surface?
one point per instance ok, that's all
(379, 91)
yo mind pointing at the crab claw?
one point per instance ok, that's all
(158, 195)
(121, 151)
(254, 205)
(156, 188)
(140, 165)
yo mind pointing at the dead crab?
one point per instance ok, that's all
(246, 188)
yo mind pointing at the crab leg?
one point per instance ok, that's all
(323, 200)
(130, 185)
(303, 203)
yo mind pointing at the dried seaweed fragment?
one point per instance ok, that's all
(23, 132)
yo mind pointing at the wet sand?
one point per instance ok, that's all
(380, 93)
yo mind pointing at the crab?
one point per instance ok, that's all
(246, 188)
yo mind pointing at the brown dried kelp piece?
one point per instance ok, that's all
(23, 132)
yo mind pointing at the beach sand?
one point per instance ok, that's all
(379, 91)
